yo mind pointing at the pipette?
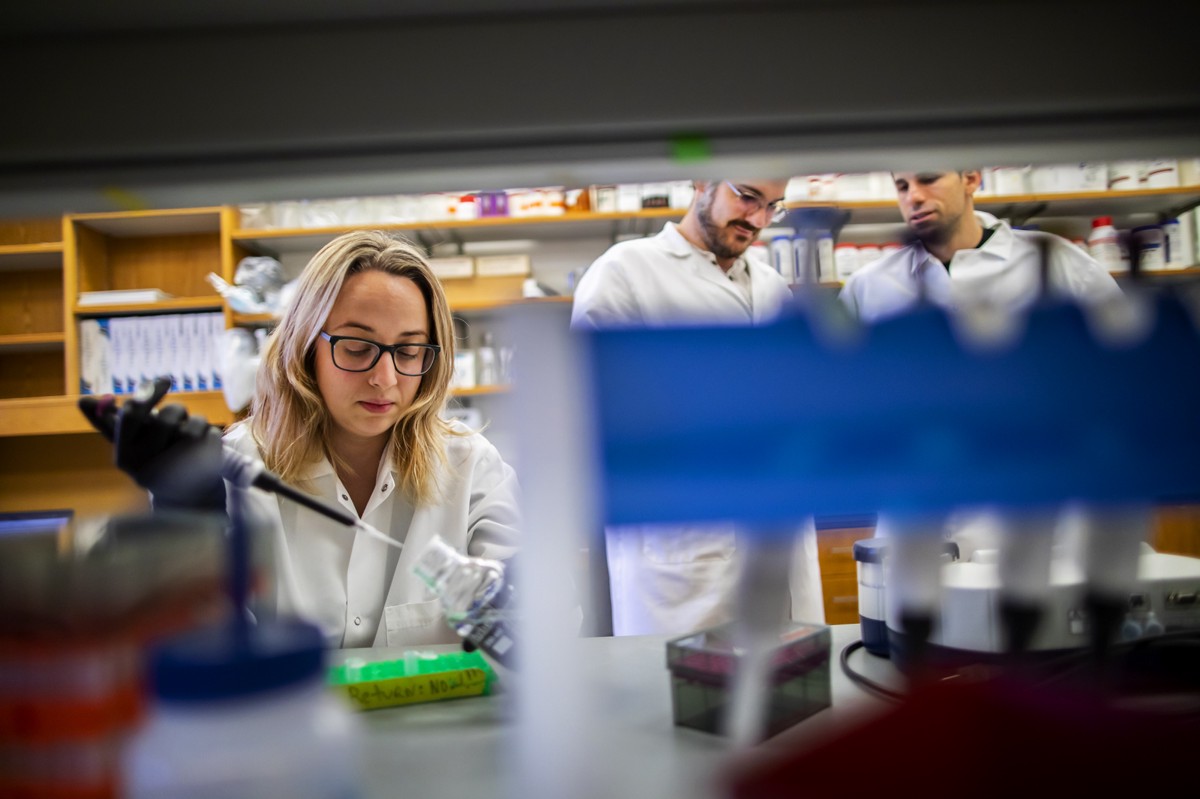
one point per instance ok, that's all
(238, 469)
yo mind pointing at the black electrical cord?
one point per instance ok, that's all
(1068, 667)
(863, 681)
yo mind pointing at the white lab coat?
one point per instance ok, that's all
(665, 280)
(674, 580)
(1004, 273)
(361, 591)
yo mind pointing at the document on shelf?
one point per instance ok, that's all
(122, 296)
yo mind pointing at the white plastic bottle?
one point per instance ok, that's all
(1150, 245)
(781, 254)
(1104, 244)
(845, 258)
(826, 269)
(1179, 254)
(233, 718)
(802, 271)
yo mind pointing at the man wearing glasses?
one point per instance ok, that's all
(674, 581)
(696, 270)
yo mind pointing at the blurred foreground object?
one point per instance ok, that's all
(74, 627)
(244, 712)
(917, 417)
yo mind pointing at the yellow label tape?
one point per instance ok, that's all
(418, 688)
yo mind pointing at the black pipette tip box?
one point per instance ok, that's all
(703, 663)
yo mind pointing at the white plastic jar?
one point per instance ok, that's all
(826, 269)
(244, 718)
(1150, 246)
(868, 253)
(781, 254)
(845, 257)
(1123, 175)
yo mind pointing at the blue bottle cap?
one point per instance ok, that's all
(870, 550)
(218, 662)
(874, 550)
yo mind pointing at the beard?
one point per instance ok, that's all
(939, 232)
(719, 239)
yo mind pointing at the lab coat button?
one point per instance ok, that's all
(357, 621)
(345, 497)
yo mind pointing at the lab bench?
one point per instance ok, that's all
(467, 747)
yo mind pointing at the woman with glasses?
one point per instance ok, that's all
(347, 407)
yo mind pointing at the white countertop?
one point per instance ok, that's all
(463, 748)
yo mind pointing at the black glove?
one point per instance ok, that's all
(175, 457)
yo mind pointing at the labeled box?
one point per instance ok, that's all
(450, 268)
(502, 265)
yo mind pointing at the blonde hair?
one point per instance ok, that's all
(289, 420)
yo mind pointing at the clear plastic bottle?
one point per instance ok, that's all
(486, 362)
(475, 597)
(244, 714)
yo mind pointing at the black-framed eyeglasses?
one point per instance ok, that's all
(753, 203)
(352, 354)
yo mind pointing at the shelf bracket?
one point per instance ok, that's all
(424, 241)
(454, 236)
(1175, 211)
(1020, 218)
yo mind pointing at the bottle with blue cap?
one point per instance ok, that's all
(240, 709)
(240, 712)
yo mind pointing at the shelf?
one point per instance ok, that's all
(31, 342)
(478, 391)
(254, 319)
(171, 222)
(497, 304)
(47, 255)
(570, 225)
(1112, 203)
(176, 305)
(58, 415)
(1162, 274)
(460, 306)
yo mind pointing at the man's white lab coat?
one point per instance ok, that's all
(679, 579)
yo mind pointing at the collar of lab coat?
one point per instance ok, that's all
(998, 246)
(324, 468)
(675, 244)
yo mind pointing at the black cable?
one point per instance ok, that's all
(1059, 668)
(861, 680)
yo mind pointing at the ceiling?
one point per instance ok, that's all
(112, 106)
